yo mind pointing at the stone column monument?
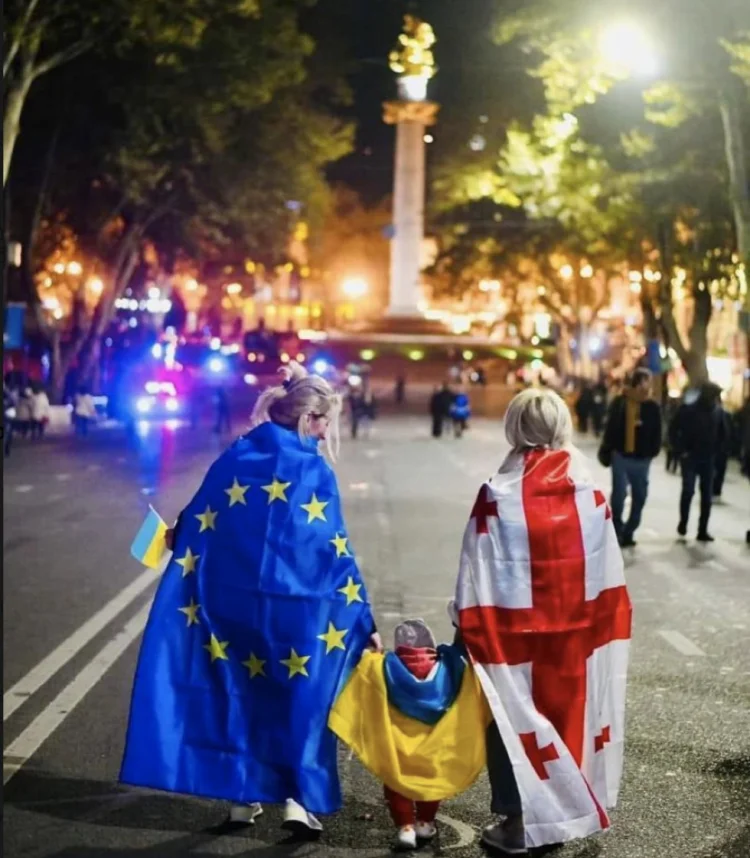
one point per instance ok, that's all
(412, 113)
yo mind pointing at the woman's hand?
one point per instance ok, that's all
(375, 643)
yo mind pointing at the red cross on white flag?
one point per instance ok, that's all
(543, 607)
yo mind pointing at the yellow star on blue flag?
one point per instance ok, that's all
(265, 621)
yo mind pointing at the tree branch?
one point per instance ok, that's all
(15, 45)
(62, 57)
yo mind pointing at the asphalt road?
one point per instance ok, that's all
(74, 605)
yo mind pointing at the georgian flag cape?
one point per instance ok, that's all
(545, 615)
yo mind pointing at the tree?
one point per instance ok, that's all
(197, 144)
(564, 40)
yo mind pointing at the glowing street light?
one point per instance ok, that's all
(234, 288)
(587, 271)
(355, 287)
(628, 49)
(566, 271)
(95, 285)
(75, 268)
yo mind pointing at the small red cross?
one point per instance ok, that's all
(602, 739)
(483, 509)
(538, 756)
(600, 499)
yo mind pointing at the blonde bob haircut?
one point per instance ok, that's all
(299, 397)
(538, 418)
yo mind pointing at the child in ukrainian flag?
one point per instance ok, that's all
(416, 718)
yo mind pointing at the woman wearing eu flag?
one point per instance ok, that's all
(259, 618)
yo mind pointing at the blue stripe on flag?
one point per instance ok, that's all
(145, 536)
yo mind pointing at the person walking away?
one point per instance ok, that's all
(23, 412)
(244, 648)
(598, 406)
(673, 460)
(84, 411)
(723, 452)
(584, 407)
(416, 718)
(223, 418)
(555, 745)
(633, 435)
(460, 413)
(440, 404)
(744, 420)
(357, 411)
(40, 411)
(370, 411)
(400, 390)
(9, 417)
(697, 432)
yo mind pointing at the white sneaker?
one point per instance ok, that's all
(245, 814)
(298, 820)
(406, 839)
(426, 830)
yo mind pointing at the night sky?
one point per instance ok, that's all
(475, 79)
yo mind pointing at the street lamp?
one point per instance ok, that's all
(355, 287)
(628, 49)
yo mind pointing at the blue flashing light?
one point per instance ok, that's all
(216, 365)
(320, 366)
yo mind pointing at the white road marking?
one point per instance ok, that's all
(466, 833)
(680, 642)
(59, 657)
(24, 489)
(50, 718)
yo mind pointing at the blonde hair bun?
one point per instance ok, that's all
(292, 372)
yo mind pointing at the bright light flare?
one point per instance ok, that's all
(413, 87)
(320, 366)
(626, 47)
(75, 268)
(355, 287)
(172, 404)
(144, 404)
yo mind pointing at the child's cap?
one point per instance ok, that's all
(415, 633)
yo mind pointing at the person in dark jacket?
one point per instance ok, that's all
(440, 407)
(633, 434)
(584, 407)
(697, 432)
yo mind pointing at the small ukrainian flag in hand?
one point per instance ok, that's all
(150, 543)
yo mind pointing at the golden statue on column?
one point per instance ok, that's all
(412, 60)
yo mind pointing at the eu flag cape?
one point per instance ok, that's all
(387, 718)
(259, 617)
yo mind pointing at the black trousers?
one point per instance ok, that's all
(720, 471)
(506, 800)
(702, 471)
(437, 425)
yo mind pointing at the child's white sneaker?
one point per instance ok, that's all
(425, 830)
(299, 821)
(406, 839)
(245, 814)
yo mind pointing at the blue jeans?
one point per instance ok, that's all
(628, 471)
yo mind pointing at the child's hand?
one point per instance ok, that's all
(375, 643)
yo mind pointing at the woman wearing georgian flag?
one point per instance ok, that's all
(542, 607)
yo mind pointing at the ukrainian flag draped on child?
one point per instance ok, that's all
(259, 618)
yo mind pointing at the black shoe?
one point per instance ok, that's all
(628, 542)
(682, 529)
(705, 537)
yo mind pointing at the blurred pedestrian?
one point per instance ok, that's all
(460, 413)
(400, 390)
(723, 452)
(84, 411)
(744, 420)
(598, 406)
(223, 416)
(440, 406)
(23, 411)
(584, 407)
(632, 438)
(9, 416)
(697, 432)
(40, 411)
